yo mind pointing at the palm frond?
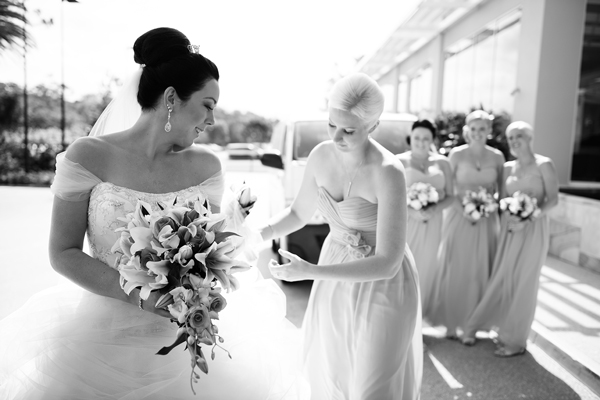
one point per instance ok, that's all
(12, 25)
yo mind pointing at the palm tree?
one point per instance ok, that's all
(12, 24)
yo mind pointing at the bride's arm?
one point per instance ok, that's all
(302, 208)
(67, 232)
(391, 239)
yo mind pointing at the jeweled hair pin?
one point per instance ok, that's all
(194, 48)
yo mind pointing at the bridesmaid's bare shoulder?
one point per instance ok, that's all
(404, 158)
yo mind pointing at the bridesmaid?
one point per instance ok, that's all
(467, 248)
(510, 299)
(423, 231)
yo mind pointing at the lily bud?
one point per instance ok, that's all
(164, 301)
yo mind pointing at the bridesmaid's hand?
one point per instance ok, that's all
(293, 271)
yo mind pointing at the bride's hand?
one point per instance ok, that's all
(293, 271)
(149, 305)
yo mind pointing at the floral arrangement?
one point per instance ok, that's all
(187, 253)
(521, 205)
(479, 204)
(421, 195)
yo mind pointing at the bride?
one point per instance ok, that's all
(93, 341)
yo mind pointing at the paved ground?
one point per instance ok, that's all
(563, 352)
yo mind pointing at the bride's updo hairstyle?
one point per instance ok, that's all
(167, 61)
(360, 95)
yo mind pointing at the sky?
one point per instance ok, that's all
(276, 58)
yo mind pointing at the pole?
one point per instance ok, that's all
(25, 111)
(62, 78)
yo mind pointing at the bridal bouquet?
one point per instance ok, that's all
(521, 205)
(190, 255)
(479, 204)
(421, 195)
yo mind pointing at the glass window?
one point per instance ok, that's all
(403, 94)
(420, 91)
(505, 71)
(586, 153)
(481, 71)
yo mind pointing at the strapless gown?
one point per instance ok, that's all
(466, 253)
(424, 238)
(510, 299)
(361, 340)
(68, 343)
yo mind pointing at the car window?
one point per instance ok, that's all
(308, 134)
(392, 135)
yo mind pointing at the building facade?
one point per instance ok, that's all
(531, 60)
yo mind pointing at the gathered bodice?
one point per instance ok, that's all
(530, 182)
(434, 176)
(109, 202)
(352, 222)
(470, 178)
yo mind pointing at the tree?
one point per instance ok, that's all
(12, 24)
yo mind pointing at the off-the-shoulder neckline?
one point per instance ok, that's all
(215, 175)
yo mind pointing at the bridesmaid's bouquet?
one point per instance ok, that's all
(479, 204)
(521, 205)
(421, 195)
(190, 255)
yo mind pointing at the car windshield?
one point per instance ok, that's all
(391, 134)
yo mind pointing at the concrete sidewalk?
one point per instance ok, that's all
(567, 319)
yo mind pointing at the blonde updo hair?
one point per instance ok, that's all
(479, 115)
(360, 95)
(521, 126)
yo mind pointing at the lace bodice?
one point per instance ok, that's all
(109, 202)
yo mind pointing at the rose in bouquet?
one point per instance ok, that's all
(521, 206)
(478, 204)
(421, 195)
(187, 253)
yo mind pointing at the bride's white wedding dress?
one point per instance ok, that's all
(68, 343)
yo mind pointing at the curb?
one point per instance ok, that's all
(579, 365)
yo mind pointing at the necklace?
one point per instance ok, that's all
(477, 161)
(354, 176)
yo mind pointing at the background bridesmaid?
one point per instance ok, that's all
(423, 232)
(468, 246)
(511, 296)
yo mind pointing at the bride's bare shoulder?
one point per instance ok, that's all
(87, 151)
(204, 159)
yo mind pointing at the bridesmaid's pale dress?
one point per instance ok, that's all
(466, 253)
(361, 340)
(510, 299)
(424, 238)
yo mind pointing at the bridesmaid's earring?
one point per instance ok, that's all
(168, 124)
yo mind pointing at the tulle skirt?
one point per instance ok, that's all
(424, 238)
(466, 256)
(67, 343)
(363, 340)
(509, 303)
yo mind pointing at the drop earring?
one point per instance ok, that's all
(168, 124)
